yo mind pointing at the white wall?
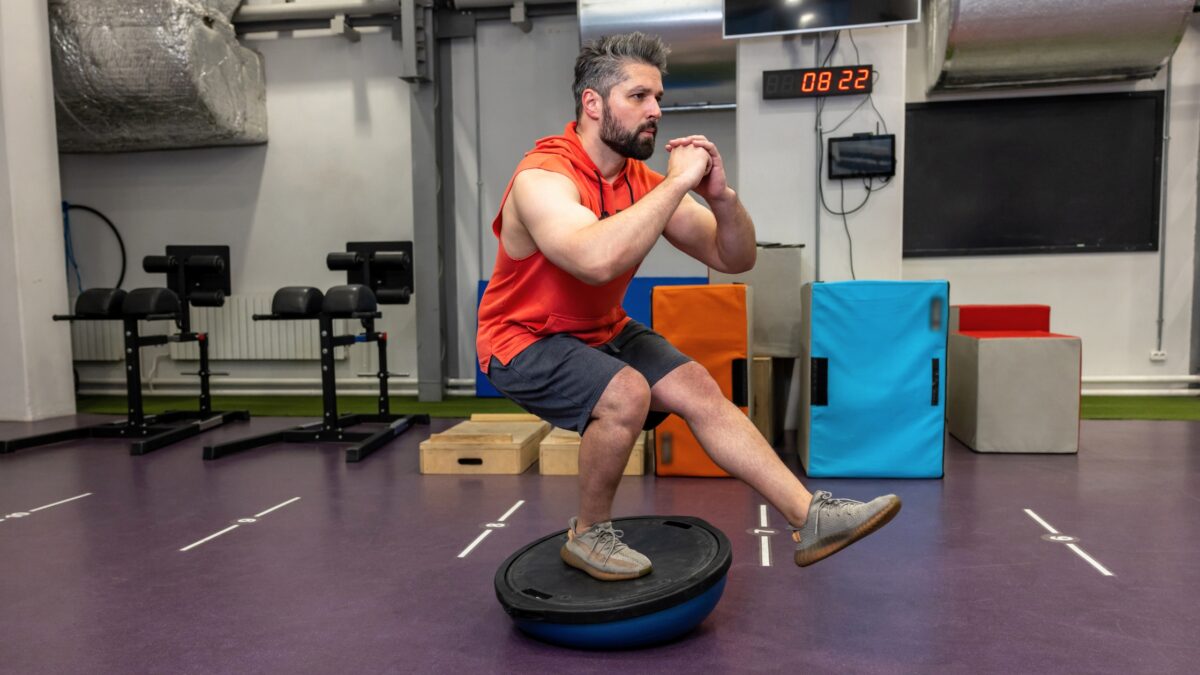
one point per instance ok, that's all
(1110, 300)
(337, 168)
(777, 142)
(34, 369)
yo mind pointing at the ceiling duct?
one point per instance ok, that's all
(153, 75)
(1004, 43)
(702, 68)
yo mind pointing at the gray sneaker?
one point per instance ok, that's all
(599, 552)
(834, 524)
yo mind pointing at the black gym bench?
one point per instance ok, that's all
(197, 276)
(385, 282)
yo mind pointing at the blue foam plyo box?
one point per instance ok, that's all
(636, 304)
(873, 364)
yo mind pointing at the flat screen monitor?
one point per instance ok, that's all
(747, 18)
(862, 156)
(1049, 174)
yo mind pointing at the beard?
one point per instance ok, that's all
(628, 144)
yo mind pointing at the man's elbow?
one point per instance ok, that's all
(739, 266)
(595, 273)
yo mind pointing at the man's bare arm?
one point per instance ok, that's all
(592, 250)
(722, 238)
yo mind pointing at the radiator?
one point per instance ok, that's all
(97, 341)
(232, 335)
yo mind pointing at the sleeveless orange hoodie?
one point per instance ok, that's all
(531, 298)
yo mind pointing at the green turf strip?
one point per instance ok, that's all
(1141, 408)
(1094, 407)
(301, 406)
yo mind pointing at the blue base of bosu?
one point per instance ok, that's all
(662, 626)
(556, 603)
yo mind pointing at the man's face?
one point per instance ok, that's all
(629, 122)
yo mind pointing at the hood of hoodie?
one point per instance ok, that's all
(570, 147)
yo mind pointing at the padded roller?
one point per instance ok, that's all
(100, 302)
(158, 263)
(147, 301)
(214, 298)
(205, 262)
(391, 260)
(343, 261)
(343, 301)
(388, 296)
(297, 302)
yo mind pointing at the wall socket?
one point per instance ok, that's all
(1156, 355)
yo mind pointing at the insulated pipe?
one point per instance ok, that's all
(314, 10)
(474, 4)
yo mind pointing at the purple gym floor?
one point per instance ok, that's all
(362, 573)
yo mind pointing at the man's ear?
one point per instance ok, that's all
(593, 104)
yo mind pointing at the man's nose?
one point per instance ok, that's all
(655, 112)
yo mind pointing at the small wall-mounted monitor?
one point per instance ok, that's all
(747, 18)
(862, 156)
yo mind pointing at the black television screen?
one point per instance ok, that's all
(862, 156)
(746, 18)
(1033, 175)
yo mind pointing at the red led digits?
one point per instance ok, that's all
(864, 76)
(845, 80)
(815, 82)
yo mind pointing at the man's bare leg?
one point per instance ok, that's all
(604, 449)
(730, 438)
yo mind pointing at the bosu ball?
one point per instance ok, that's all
(559, 604)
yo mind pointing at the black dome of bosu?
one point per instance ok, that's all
(557, 603)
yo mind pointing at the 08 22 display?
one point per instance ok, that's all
(813, 82)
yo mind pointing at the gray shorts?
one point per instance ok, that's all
(560, 379)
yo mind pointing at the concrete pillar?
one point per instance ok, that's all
(35, 352)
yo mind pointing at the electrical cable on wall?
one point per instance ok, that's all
(868, 183)
(72, 262)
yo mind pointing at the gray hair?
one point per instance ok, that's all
(601, 62)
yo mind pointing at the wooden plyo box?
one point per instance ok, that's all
(484, 447)
(559, 454)
(762, 400)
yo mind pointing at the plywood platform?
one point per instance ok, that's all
(484, 447)
(559, 455)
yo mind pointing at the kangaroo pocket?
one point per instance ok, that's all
(581, 326)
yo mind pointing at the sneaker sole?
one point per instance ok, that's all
(806, 557)
(600, 574)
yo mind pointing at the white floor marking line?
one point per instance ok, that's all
(1043, 523)
(1090, 560)
(510, 511)
(475, 543)
(234, 527)
(208, 538)
(1082, 554)
(278, 506)
(466, 551)
(764, 540)
(86, 494)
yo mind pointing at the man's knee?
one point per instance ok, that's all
(626, 400)
(695, 390)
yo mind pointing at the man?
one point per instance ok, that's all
(581, 213)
